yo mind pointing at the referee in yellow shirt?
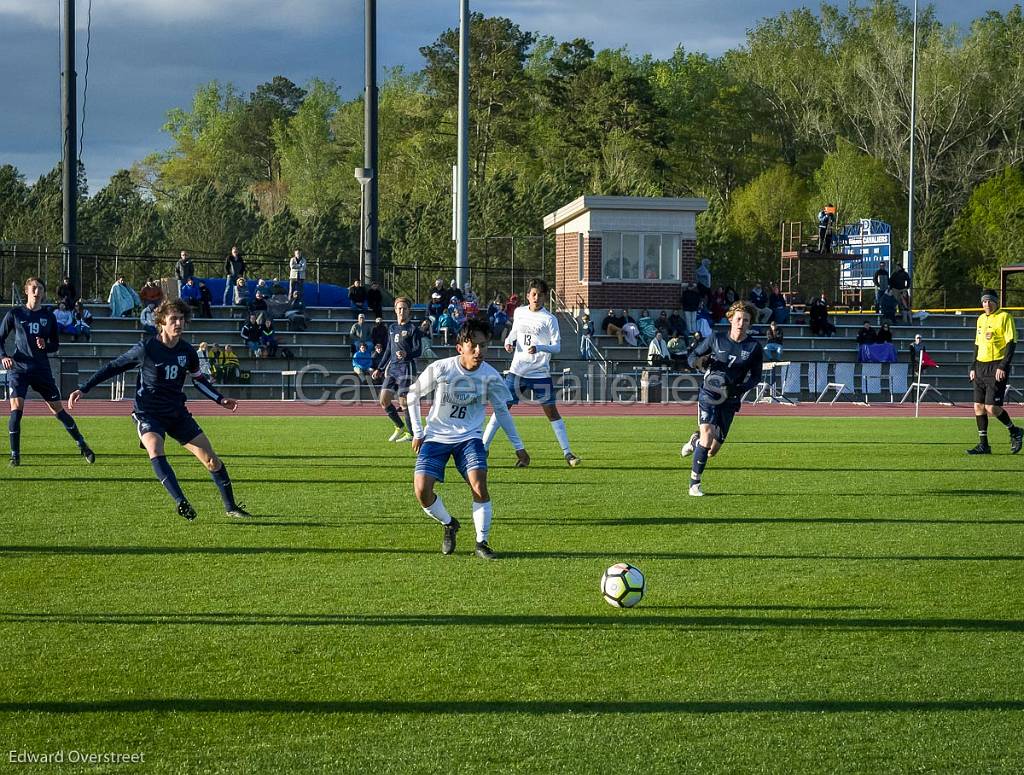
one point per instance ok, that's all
(994, 343)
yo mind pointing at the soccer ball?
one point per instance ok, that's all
(623, 585)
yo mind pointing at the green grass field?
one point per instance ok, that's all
(850, 598)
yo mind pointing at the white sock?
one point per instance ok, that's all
(482, 519)
(438, 511)
(558, 426)
(490, 431)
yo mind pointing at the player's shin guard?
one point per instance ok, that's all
(490, 431)
(436, 510)
(69, 425)
(482, 514)
(700, 459)
(558, 426)
(392, 412)
(14, 429)
(223, 481)
(165, 475)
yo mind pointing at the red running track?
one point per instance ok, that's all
(99, 408)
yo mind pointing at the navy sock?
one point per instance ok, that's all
(1004, 418)
(69, 425)
(223, 482)
(700, 459)
(393, 414)
(165, 475)
(14, 426)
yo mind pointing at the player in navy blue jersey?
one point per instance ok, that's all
(163, 362)
(398, 367)
(732, 364)
(35, 337)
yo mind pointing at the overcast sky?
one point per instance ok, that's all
(148, 56)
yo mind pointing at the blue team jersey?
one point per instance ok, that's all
(734, 367)
(26, 325)
(405, 345)
(161, 380)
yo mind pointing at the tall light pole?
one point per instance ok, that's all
(69, 133)
(908, 254)
(369, 257)
(462, 194)
(364, 176)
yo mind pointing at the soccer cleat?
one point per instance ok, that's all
(396, 435)
(238, 511)
(688, 447)
(15, 461)
(696, 491)
(185, 509)
(981, 449)
(1016, 440)
(448, 542)
(572, 460)
(88, 454)
(520, 464)
(485, 552)
(405, 437)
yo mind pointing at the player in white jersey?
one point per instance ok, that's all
(534, 338)
(462, 386)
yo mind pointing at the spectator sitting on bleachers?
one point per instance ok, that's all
(884, 334)
(426, 348)
(512, 305)
(65, 320)
(375, 299)
(229, 369)
(631, 332)
(613, 324)
(151, 293)
(240, 294)
(190, 293)
(717, 305)
(773, 346)
(470, 302)
(866, 335)
(360, 332)
(357, 295)
(263, 286)
(436, 305)
(455, 293)
(205, 301)
(819, 322)
(66, 293)
(83, 318)
(662, 324)
(676, 324)
(362, 363)
(268, 338)
(645, 325)
(658, 353)
(296, 313)
(203, 351)
(123, 300)
(379, 333)
(376, 359)
(250, 333)
(259, 307)
(148, 321)
(759, 298)
(498, 319)
(777, 304)
(888, 306)
(458, 314)
(705, 324)
(447, 326)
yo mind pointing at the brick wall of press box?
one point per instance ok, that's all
(604, 295)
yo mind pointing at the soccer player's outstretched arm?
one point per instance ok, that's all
(423, 386)
(120, 364)
(500, 399)
(204, 386)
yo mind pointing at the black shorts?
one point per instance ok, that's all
(398, 378)
(18, 383)
(988, 390)
(718, 414)
(181, 427)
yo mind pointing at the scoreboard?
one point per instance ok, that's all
(872, 241)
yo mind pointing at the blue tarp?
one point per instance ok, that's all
(878, 353)
(322, 295)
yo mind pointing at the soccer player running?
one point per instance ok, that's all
(35, 337)
(534, 338)
(732, 362)
(462, 386)
(163, 362)
(995, 340)
(398, 365)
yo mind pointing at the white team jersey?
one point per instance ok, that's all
(460, 398)
(533, 329)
